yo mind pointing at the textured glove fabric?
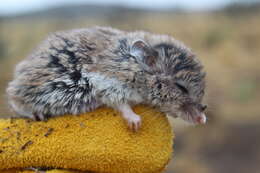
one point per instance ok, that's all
(98, 141)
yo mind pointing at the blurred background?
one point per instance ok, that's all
(225, 34)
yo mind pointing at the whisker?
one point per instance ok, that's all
(189, 117)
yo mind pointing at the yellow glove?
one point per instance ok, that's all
(97, 141)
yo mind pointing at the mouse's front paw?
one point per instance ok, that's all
(133, 121)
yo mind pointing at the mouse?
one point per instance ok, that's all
(79, 70)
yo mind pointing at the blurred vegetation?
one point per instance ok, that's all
(227, 42)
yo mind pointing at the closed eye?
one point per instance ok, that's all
(182, 88)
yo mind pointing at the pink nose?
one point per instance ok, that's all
(201, 119)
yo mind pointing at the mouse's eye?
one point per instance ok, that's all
(182, 88)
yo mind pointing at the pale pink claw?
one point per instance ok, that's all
(133, 120)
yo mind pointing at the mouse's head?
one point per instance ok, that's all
(176, 81)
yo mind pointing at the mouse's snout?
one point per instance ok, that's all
(194, 113)
(201, 119)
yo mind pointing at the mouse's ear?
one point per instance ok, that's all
(143, 52)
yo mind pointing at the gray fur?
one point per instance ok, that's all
(76, 71)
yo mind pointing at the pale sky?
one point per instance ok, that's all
(20, 6)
